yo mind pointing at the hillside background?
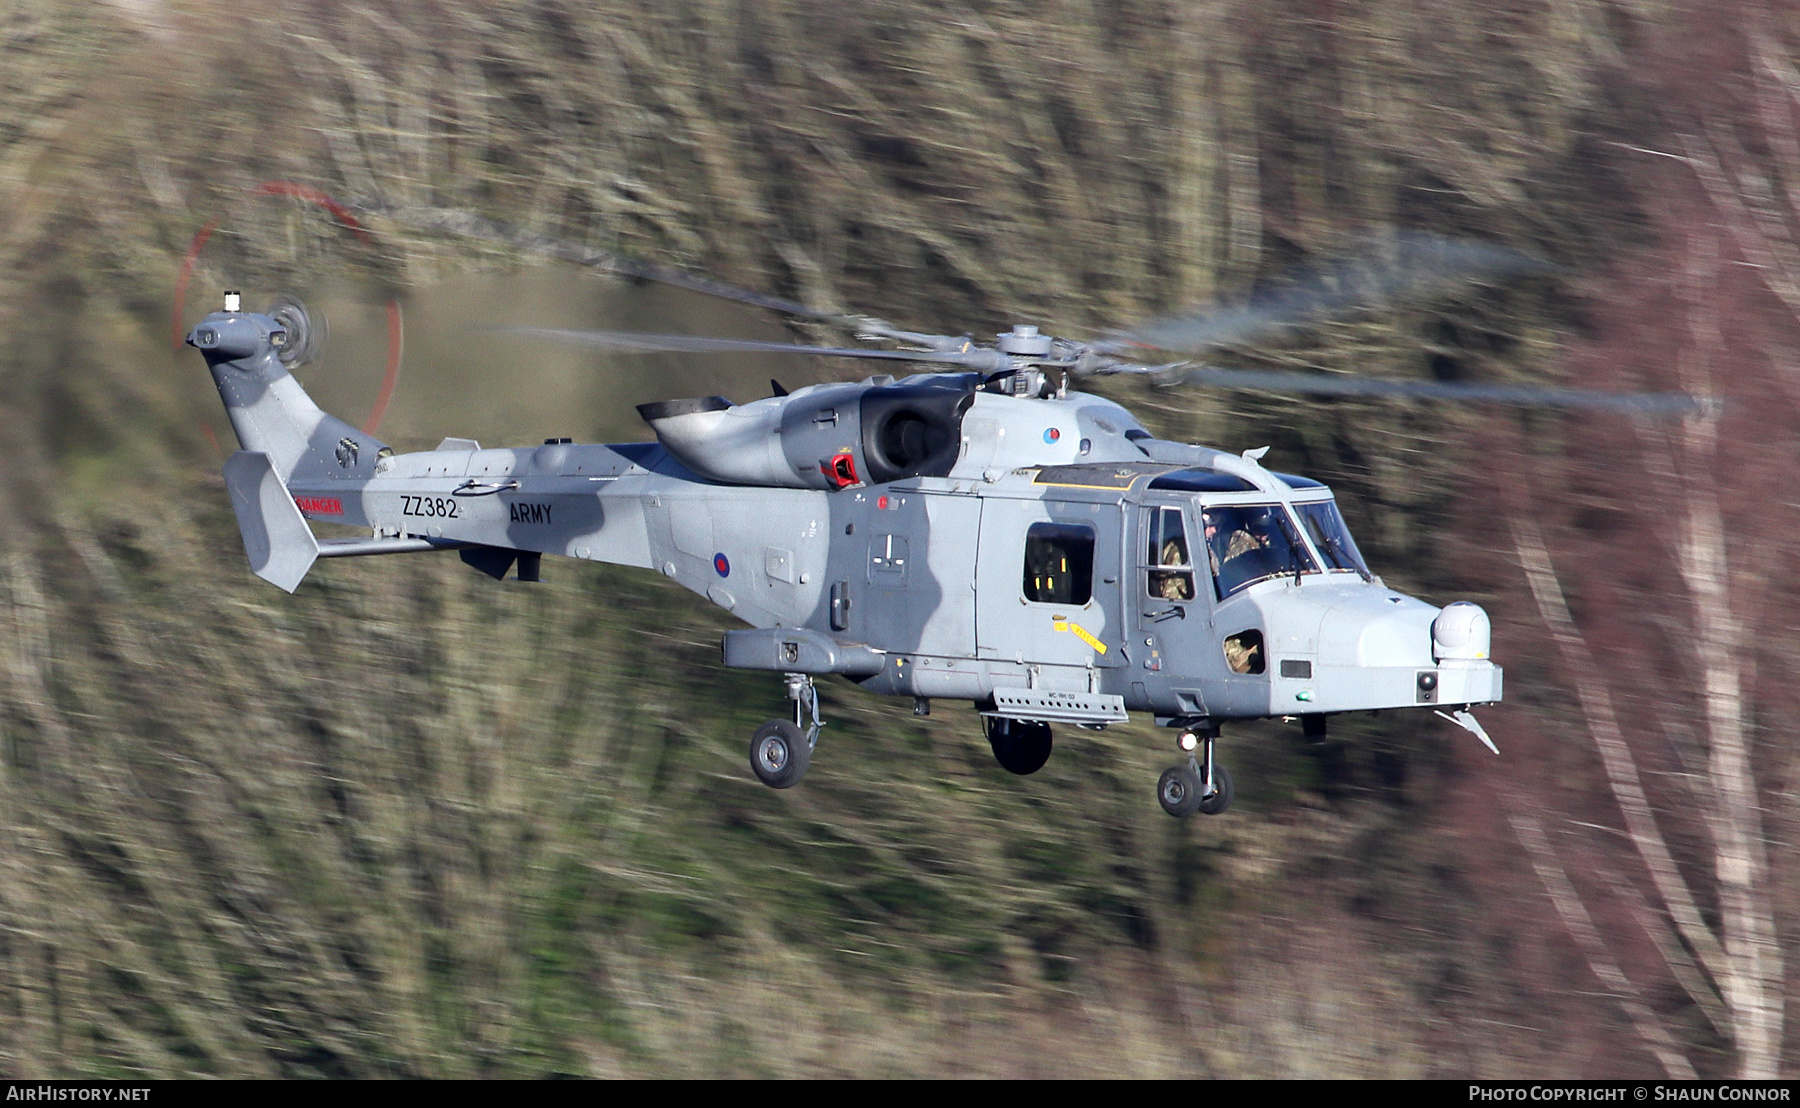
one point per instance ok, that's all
(411, 822)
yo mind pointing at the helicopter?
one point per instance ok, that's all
(979, 531)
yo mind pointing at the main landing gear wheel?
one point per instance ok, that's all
(779, 754)
(1178, 791)
(1222, 794)
(1020, 746)
(1186, 789)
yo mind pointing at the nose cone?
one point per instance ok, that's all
(1375, 627)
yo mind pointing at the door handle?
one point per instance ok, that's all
(1173, 611)
(840, 606)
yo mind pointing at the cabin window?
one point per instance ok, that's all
(1172, 577)
(1250, 543)
(1059, 563)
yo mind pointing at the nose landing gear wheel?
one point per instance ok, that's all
(1020, 747)
(779, 754)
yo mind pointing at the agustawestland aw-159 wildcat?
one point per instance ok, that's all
(980, 532)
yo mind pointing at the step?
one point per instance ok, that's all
(1049, 706)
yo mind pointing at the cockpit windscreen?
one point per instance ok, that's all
(1325, 526)
(1251, 543)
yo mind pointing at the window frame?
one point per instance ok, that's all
(1155, 570)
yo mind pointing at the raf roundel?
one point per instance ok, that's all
(1051, 434)
(722, 564)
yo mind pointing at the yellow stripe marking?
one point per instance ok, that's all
(1064, 623)
(1082, 633)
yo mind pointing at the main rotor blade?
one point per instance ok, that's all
(629, 342)
(1643, 403)
(459, 221)
(1402, 267)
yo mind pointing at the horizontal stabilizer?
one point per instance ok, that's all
(362, 548)
(280, 545)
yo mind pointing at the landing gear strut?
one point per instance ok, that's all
(781, 751)
(1202, 785)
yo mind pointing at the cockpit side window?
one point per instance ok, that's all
(1250, 543)
(1172, 574)
(1059, 563)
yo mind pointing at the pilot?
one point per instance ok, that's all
(1240, 541)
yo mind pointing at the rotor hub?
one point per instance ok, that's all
(306, 331)
(1024, 341)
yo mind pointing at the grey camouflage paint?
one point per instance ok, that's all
(910, 588)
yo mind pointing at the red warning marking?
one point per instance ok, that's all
(324, 505)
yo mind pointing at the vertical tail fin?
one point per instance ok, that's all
(272, 415)
(280, 545)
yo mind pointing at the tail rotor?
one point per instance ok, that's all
(307, 331)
